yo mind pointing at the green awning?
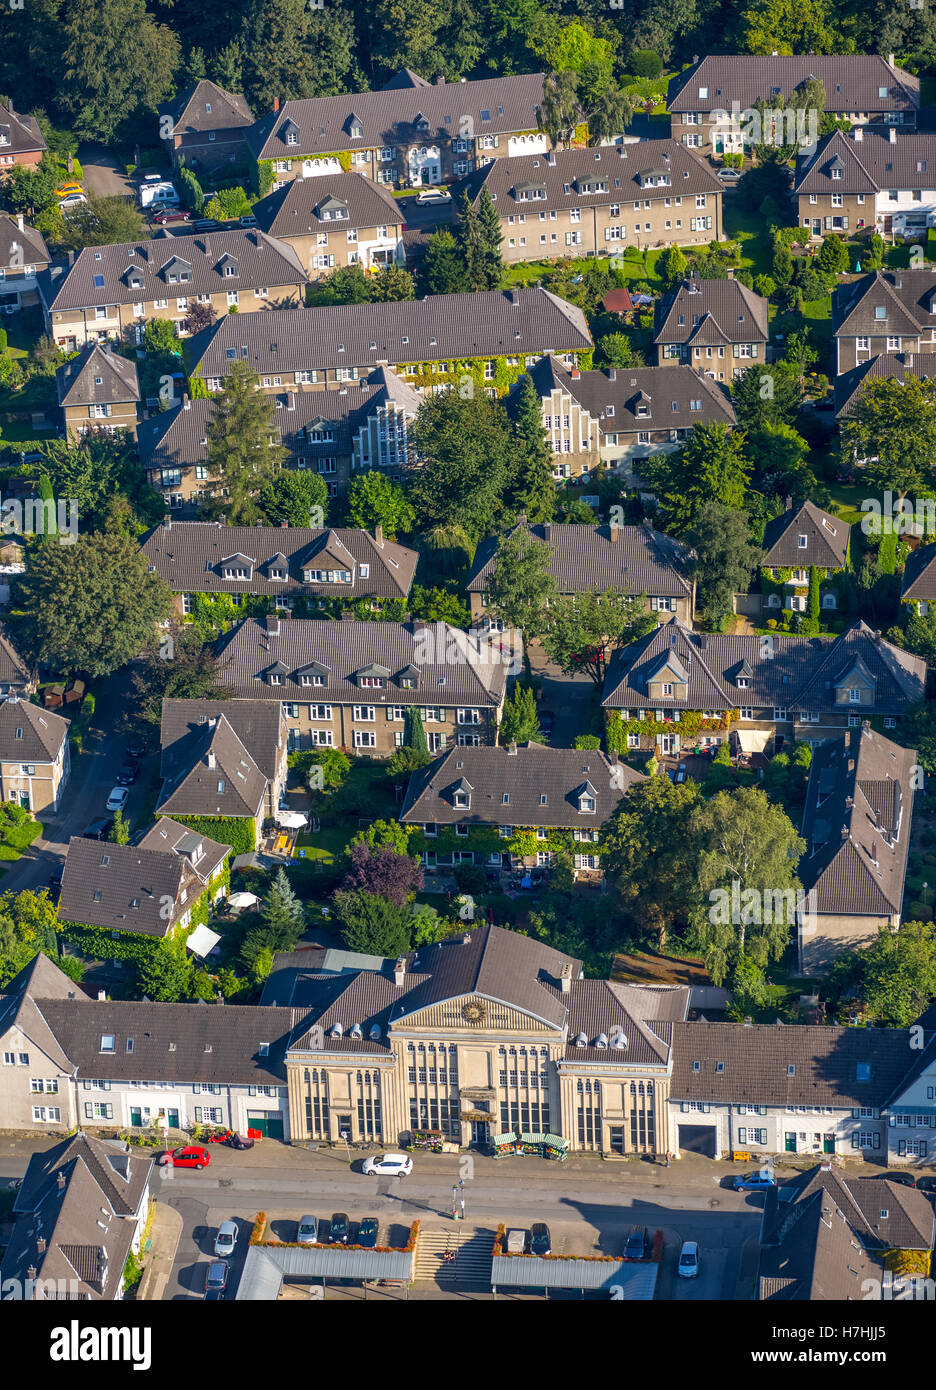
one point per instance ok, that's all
(556, 1141)
(533, 1138)
(504, 1139)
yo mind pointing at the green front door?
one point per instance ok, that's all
(269, 1123)
(173, 1116)
(789, 1142)
(828, 1144)
(136, 1118)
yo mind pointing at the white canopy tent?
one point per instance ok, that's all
(202, 941)
(291, 820)
(753, 740)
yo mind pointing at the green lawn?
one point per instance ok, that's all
(749, 230)
(326, 845)
(847, 497)
(641, 266)
(22, 330)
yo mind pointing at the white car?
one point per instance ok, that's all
(118, 799)
(388, 1166)
(434, 195)
(71, 200)
(688, 1266)
(226, 1239)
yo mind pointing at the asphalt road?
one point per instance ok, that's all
(103, 175)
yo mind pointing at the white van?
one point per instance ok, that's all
(154, 189)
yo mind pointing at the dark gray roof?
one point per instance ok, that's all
(909, 1224)
(206, 106)
(813, 1254)
(526, 775)
(14, 670)
(216, 776)
(451, 671)
(119, 1173)
(39, 980)
(856, 824)
(888, 366)
(757, 1060)
(170, 266)
(633, 559)
(904, 295)
(292, 209)
(29, 733)
(441, 327)
(826, 535)
(710, 313)
(612, 1023)
(868, 164)
(23, 135)
(793, 673)
(28, 241)
(919, 578)
(851, 82)
(259, 726)
(188, 554)
(391, 116)
(96, 376)
(612, 395)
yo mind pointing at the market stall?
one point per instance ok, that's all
(530, 1146)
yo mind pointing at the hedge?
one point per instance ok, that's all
(236, 831)
(100, 943)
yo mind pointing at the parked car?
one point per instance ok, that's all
(388, 1166)
(905, 1179)
(308, 1230)
(638, 1244)
(338, 1228)
(215, 1280)
(170, 215)
(136, 749)
(67, 188)
(546, 721)
(728, 175)
(239, 1141)
(205, 224)
(55, 880)
(433, 195)
(688, 1266)
(540, 1243)
(99, 829)
(71, 200)
(117, 799)
(754, 1182)
(128, 773)
(926, 1184)
(516, 1241)
(226, 1238)
(248, 220)
(367, 1232)
(189, 1156)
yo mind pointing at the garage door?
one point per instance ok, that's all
(269, 1123)
(697, 1139)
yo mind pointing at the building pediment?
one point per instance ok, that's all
(475, 1013)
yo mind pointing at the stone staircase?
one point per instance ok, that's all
(470, 1271)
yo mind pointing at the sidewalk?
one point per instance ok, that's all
(164, 1241)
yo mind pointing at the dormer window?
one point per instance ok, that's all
(854, 695)
(587, 804)
(356, 131)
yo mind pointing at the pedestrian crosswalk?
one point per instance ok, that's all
(470, 1269)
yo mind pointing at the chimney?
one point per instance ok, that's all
(41, 1245)
(890, 60)
(615, 532)
(399, 972)
(71, 259)
(748, 1022)
(440, 80)
(273, 624)
(284, 525)
(575, 373)
(547, 531)
(858, 134)
(186, 401)
(378, 535)
(167, 521)
(513, 296)
(512, 748)
(612, 374)
(275, 104)
(102, 995)
(565, 978)
(212, 761)
(61, 1182)
(31, 1272)
(19, 221)
(892, 134)
(290, 400)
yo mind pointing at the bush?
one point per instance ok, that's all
(470, 878)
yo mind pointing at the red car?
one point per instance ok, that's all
(167, 216)
(190, 1156)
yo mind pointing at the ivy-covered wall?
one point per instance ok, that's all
(237, 831)
(106, 943)
(688, 723)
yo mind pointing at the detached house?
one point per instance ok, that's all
(919, 579)
(543, 802)
(205, 127)
(347, 684)
(899, 366)
(35, 759)
(595, 201)
(799, 540)
(21, 141)
(111, 291)
(892, 311)
(23, 256)
(341, 219)
(590, 559)
(856, 824)
(887, 182)
(98, 389)
(719, 327)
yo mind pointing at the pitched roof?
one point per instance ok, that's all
(852, 82)
(293, 209)
(919, 577)
(30, 734)
(675, 397)
(95, 376)
(709, 313)
(259, 726)
(609, 1022)
(494, 105)
(217, 777)
(20, 134)
(543, 784)
(888, 366)
(132, 271)
(909, 1224)
(120, 1174)
(40, 979)
(441, 327)
(27, 245)
(826, 538)
(189, 555)
(451, 668)
(893, 303)
(856, 823)
(14, 670)
(206, 106)
(844, 164)
(814, 1254)
(633, 559)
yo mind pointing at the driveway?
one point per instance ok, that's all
(104, 176)
(568, 698)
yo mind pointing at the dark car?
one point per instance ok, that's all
(546, 720)
(128, 774)
(205, 224)
(367, 1232)
(55, 879)
(338, 1228)
(926, 1184)
(637, 1247)
(905, 1179)
(215, 1281)
(540, 1243)
(136, 750)
(99, 829)
(239, 1141)
(170, 215)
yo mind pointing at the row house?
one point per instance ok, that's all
(795, 542)
(23, 256)
(98, 390)
(440, 336)
(865, 89)
(112, 291)
(209, 768)
(592, 559)
(348, 684)
(856, 824)
(410, 134)
(205, 128)
(719, 327)
(281, 563)
(533, 797)
(35, 755)
(345, 427)
(886, 312)
(338, 220)
(885, 182)
(759, 691)
(21, 140)
(594, 202)
(887, 366)
(616, 418)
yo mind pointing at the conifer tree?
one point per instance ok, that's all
(241, 459)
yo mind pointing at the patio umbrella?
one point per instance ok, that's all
(243, 899)
(291, 820)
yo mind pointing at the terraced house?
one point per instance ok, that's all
(677, 690)
(618, 417)
(348, 684)
(358, 425)
(281, 563)
(591, 559)
(488, 337)
(23, 256)
(111, 291)
(886, 312)
(918, 586)
(595, 201)
(516, 808)
(408, 134)
(719, 327)
(800, 540)
(98, 390)
(340, 219)
(868, 179)
(865, 89)
(35, 755)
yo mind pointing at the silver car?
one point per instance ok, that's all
(308, 1230)
(226, 1239)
